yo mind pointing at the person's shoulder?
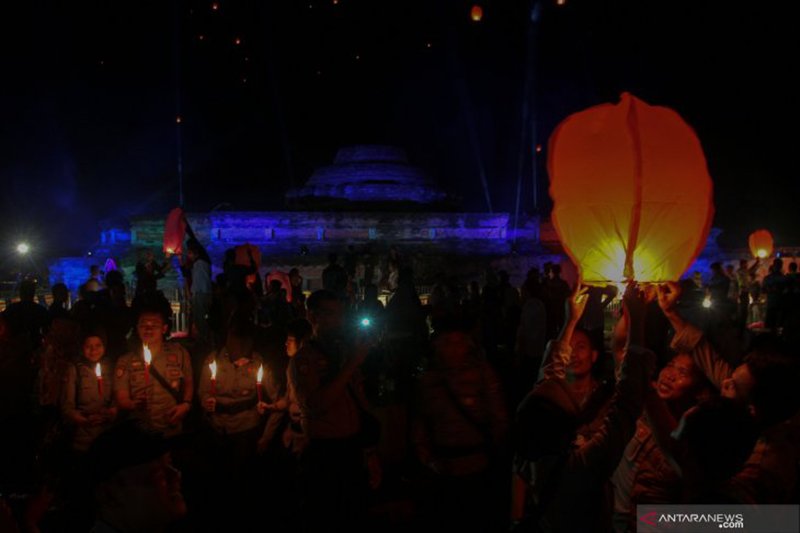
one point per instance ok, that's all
(172, 348)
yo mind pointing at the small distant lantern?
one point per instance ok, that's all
(761, 244)
(476, 13)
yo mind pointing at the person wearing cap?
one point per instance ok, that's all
(159, 396)
(87, 401)
(567, 479)
(136, 486)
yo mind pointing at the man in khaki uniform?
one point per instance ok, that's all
(233, 408)
(161, 400)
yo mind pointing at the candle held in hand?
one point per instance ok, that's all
(259, 377)
(99, 373)
(213, 367)
(148, 358)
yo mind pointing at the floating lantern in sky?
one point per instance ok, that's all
(476, 13)
(761, 243)
(174, 232)
(632, 195)
(215, 6)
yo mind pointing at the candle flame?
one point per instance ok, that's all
(148, 357)
(762, 253)
(260, 374)
(98, 371)
(213, 366)
(707, 302)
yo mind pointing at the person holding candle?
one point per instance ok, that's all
(231, 400)
(158, 392)
(233, 416)
(86, 397)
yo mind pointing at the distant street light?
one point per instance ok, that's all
(23, 248)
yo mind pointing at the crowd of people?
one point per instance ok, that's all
(538, 408)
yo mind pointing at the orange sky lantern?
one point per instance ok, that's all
(631, 192)
(174, 232)
(761, 243)
(476, 13)
(243, 257)
(284, 279)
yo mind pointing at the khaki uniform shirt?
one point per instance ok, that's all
(174, 364)
(236, 392)
(81, 393)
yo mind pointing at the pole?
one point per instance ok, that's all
(178, 118)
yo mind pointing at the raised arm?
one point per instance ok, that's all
(558, 351)
(689, 339)
(601, 453)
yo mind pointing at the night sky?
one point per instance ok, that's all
(268, 90)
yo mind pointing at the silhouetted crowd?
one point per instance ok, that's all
(545, 407)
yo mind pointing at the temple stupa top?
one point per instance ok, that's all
(368, 175)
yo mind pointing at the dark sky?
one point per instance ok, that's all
(90, 97)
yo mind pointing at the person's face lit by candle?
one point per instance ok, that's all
(292, 346)
(151, 328)
(93, 349)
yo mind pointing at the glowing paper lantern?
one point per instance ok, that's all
(243, 257)
(286, 282)
(631, 192)
(476, 13)
(761, 244)
(174, 231)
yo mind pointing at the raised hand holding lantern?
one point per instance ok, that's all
(632, 195)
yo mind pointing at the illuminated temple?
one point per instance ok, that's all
(370, 199)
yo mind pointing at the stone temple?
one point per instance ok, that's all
(370, 199)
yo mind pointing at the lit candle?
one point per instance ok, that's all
(148, 358)
(259, 377)
(99, 373)
(213, 367)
